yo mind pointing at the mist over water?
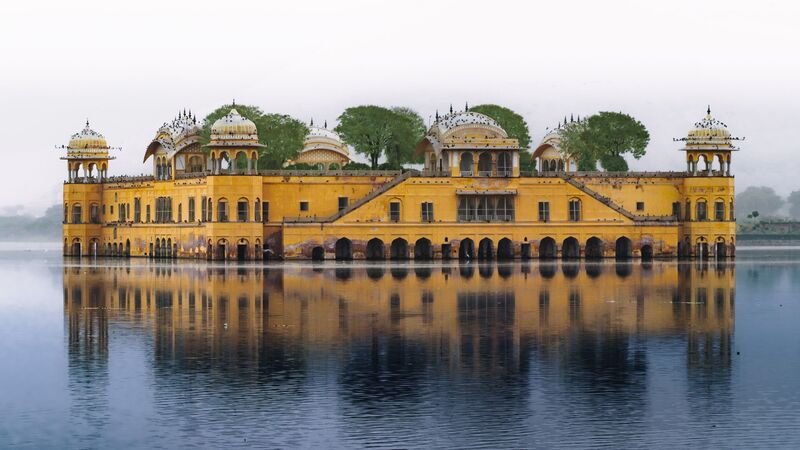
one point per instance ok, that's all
(109, 353)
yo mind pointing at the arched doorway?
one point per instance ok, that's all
(344, 249)
(547, 248)
(486, 249)
(423, 249)
(375, 249)
(570, 249)
(76, 247)
(318, 253)
(222, 251)
(647, 252)
(623, 249)
(594, 248)
(127, 248)
(399, 249)
(241, 249)
(721, 250)
(466, 249)
(505, 249)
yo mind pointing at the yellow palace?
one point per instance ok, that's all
(470, 200)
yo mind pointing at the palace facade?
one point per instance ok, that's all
(470, 201)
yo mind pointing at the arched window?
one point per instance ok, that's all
(257, 210)
(504, 164)
(466, 164)
(574, 210)
(242, 208)
(77, 213)
(195, 164)
(94, 213)
(222, 210)
(701, 210)
(66, 213)
(210, 210)
(485, 164)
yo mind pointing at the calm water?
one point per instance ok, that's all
(135, 354)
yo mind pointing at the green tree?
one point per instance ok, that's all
(757, 198)
(794, 204)
(515, 127)
(605, 137)
(367, 129)
(375, 131)
(576, 141)
(407, 129)
(283, 136)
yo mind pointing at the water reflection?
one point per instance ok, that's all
(402, 339)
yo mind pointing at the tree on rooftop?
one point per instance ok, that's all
(375, 131)
(283, 136)
(605, 137)
(407, 129)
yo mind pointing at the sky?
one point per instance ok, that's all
(130, 66)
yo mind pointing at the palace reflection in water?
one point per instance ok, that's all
(403, 340)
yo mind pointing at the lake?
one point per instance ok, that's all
(141, 354)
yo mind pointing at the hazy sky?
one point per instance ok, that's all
(130, 66)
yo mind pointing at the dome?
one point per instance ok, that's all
(709, 134)
(233, 129)
(87, 139)
(324, 139)
(465, 119)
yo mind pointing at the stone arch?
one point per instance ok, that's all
(466, 249)
(623, 248)
(647, 252)
(547, 248)
(376, 249)
(720, 249)
(486, 249)
(114, 249)
(505, 249)
(318, 253)
(222, 250)
(76, 247)
(423, 249)
(399, 249)
(343, 250)
(594, 248)
(570, 248)
(127, 248)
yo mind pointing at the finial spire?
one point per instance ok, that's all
(233, 103)
(571, 118)
(451, 108)
(326, 124)
(312, 122)
(437, 115)
(466, 106)
(708, 111)
(87, 123)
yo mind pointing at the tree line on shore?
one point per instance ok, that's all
(387, 137)
(762, 203)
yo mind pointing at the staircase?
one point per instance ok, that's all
(364, 200)
(603, 199)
